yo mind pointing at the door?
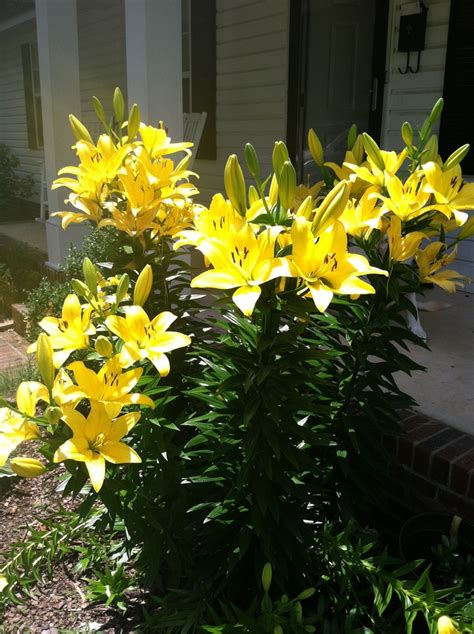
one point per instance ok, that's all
(339, 60)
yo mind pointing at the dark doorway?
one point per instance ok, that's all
(337, 69)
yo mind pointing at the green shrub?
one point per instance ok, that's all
(11, 185)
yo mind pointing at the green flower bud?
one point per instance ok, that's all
(373, 151)
(279, 156)
(306, 594)
(44, 358)
(456, 157)
(133, 122)
(287, 189)
(331, 208)
(436, 111)
(53, 415)
(143, 286)
(278, 629)
(298, 612)
(79, 129)
(80, 288)
(122, 288)
(407, 134)
(252, 161)
(315, 147)
(267, 577)
(90, 276)
(351, 136)
(430, 153)
(99, 110)
(467, 230)
(235, 184)
(103, 346)
(119, 105)
(358, 149)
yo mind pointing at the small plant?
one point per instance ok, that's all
(8, 291)
(11, 185)
(110, 587)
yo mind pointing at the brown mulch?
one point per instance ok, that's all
(59, 603)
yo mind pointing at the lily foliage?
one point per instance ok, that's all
(251, 434)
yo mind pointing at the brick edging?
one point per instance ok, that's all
(434, 466)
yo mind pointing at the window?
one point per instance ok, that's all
(199, 68)
(34, 121)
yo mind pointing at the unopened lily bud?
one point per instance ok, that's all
(467, 229)
(331, 208)
(27, 467)
(278, 629)
(53, 415)
(118, 104)
(143, 286)
(252, 161)
(436, 111)
(267, 577)
(98, 109)
(351, 136)
(122, 288)
(456, 157)
(287, 187)
(90, 276)
(306, 594)
(315, 147)
(306, 208)
(358, 150)
(298, 612)
(133, 122)
(430, 153)
(44, 358)
(446, 626)
(279, 156)
(253, 195)
(273, 193)
(235, 184)
(373, 151)
(407, 134)
(103, 346)
(79, 129)
(80, 288)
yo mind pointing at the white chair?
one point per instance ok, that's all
(194, 123)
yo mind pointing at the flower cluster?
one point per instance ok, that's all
(128, 181)
(86, 402)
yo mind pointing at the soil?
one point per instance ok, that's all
(59, 603)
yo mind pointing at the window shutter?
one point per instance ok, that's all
(203, 72)
(457, 121)
(29, 105)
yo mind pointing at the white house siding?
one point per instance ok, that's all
(102, 62)
(410, 97)
(13, 130)
(252, 84)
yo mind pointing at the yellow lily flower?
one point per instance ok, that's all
(324, 265)
(345, 173)
(242, 261)
(16, 428)
(96, 439)
(406, 200)
(446, 626)
(360, 217)
(430, 262)
(450, 191)
(373, 174)
(145, 339)
(99, 162)
(3, 583)
(70, 332)
(87, 196)
(110, 386)
(158, 143)
(402, 248)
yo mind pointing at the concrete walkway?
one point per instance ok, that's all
(33, 233)
(446, 391)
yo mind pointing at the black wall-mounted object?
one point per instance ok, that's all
(411, 37)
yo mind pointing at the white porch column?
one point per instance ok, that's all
(154, 66)
(58, 55)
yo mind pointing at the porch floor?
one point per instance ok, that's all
(446, 390)
(32, 233)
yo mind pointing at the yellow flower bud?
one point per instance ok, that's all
(118, 104)
(287, 187)
(279, 156)
(373, 151)
(273, 193)
(53, 415)
(467, 229)
(27, 467)
(98, 109)
(44, 358)
(90, 276)
(456, 157)
(267, 577)
(407, 134)
(331, 207)
(143, 286)
(253, 195)
(3, 583)
(133, 122)
(122, 288)
(315, 147)
(79, 129)
(306, 208)
(446, 626)
(351, 136)
(235, 184)
(252, 161)
(80, 288)
(430, 153)
(358, 150)
(103, 346)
